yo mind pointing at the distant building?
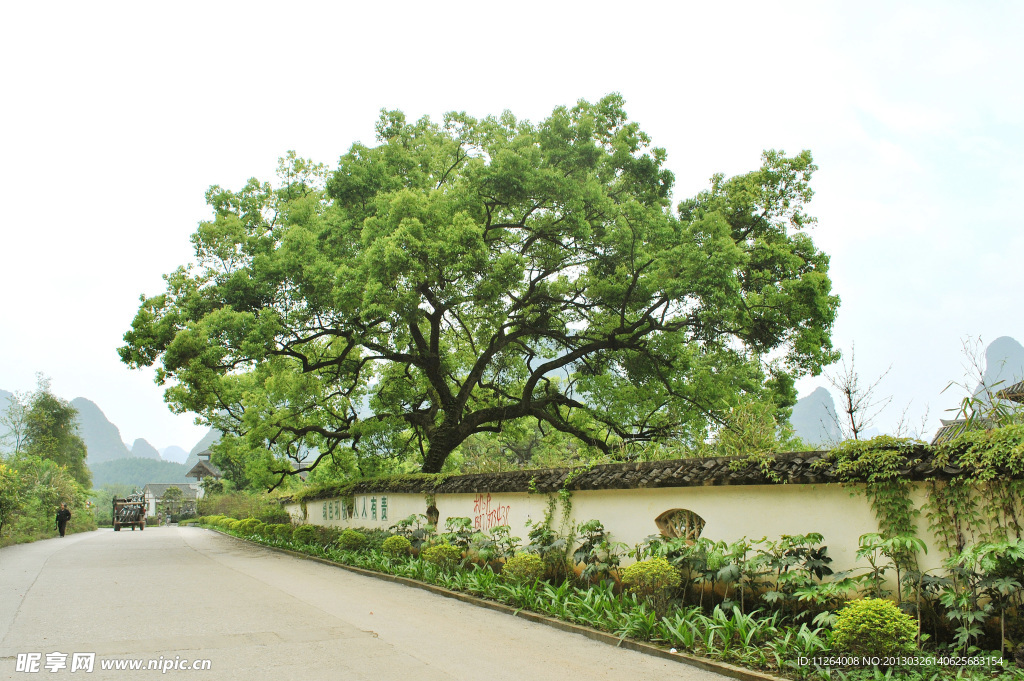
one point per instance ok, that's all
(154, 492)
(204, 468)
(952, 428)
(1015, 393)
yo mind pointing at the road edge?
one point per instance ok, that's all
(732, 671)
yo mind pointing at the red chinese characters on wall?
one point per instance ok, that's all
(487, 516)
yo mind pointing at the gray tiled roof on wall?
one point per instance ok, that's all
(793, 468)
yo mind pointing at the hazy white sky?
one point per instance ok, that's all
(116, 117)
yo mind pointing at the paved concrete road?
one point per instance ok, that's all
(190, 594)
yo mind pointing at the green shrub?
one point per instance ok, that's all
(305, 534)
(653, 580)
(247, 526)
(873, 627)
(444, 556)
(351, 540)
(396, 547)
(327, 536)
(650, 576)
(283, 531)
(524, 568)
(274, 515)
(242, 505)
(233, 525)
(374, 538)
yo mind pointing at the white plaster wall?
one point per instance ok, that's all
(840, 513)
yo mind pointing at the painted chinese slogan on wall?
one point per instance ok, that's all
(486, 516)
(337, 510)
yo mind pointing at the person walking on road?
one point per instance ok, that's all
(63, 516)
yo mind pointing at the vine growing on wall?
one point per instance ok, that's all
(878, 464)
(986, 504)
(546, 541)
(952, 514)
(982, 504)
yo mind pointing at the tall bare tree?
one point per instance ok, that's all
(860, 404)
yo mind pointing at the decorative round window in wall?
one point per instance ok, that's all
(678, 522)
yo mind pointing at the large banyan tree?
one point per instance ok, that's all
(470, 274)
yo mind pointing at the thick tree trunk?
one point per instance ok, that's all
(437, 453)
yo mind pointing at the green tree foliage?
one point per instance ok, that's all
(43, 466)
(51, 433)
(136, 472)
(211, 485)
(172, 499)
(463, 276)
(10, 495)
(13, 423)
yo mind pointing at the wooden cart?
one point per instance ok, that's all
(130, 511)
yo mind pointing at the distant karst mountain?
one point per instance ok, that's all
(136, 472)
(212, 437)
(5, 398)
(144, 450)
(813, 423)
(174, 453)
(114, 462)
(1004, 364)
(102, 438)
(813, 419)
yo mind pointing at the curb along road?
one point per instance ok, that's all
(732, 671)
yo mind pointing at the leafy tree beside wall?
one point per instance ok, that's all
(467, 275)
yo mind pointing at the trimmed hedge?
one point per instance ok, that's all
(247, 526)
(396, 547)
(305, 534)
(873, 627)
(351, 540)
(523, 568)
(650, 577)
(444, 555)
